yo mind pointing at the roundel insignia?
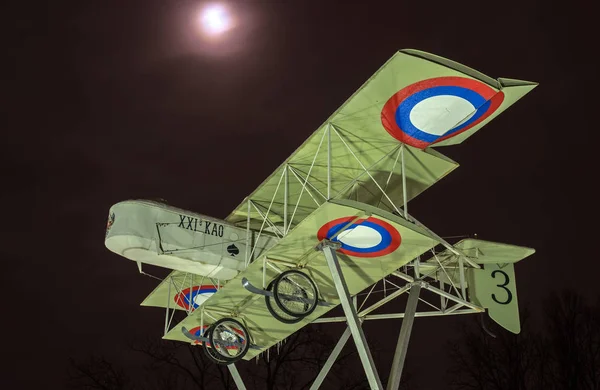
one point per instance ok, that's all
(369, 237)
(196, 295)
(198, 331)
(433, 110)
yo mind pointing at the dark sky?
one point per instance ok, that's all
(109, 100)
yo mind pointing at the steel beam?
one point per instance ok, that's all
(404, 183)
(383, 301)
(168, 307)
(236, 377)
(328, 161)
(351, 316)
(331, 360)
(452, 311)
(404, 337)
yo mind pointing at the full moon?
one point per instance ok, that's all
(215, 19)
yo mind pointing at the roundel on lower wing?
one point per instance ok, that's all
(436, 109)
(369, 237)
(196, 295)
(199, 331)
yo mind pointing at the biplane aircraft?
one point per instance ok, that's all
(330, 222)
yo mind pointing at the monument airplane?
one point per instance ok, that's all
(331, 221)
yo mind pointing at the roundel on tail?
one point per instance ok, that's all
(435, 109)
(370, 237)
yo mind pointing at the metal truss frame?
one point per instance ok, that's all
(413, 286)
(310, 187)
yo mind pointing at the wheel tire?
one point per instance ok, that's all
(210, 352)
(215, 332)
(308, 288)
(277, 313)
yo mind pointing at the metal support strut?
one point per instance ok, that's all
(358, 335)
(405, 330)
(236, 377)
(331, 360)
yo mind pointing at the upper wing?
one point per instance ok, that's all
(414, 100)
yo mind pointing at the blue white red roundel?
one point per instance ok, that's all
(432, 110)
(197, 296)
(197, 331)
(369, 237)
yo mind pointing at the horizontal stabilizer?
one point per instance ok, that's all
(489, 252)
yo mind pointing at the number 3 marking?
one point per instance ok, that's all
(502, 286)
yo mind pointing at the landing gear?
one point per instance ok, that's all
(290, 297)
(228, 341)
(295, 293)
(210, 352)
(276, 312)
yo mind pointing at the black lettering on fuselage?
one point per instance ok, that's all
(195, 224)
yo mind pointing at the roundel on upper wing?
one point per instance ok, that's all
(369, 237)
(435, 109)
(196, 295)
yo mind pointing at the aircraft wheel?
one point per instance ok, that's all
(276, 312)
(210, 352)
(295, 293)
(229, 340)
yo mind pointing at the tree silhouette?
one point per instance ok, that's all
(97, 373)
(574, 331)
(563, 352)
(292, 365)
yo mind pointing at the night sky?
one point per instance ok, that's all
(104, 101)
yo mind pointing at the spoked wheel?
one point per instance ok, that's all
(229, 340)
(210, 351)
(276, 312)
(295, 293)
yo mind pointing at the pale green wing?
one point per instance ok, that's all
(179, 289)
(299, 247)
